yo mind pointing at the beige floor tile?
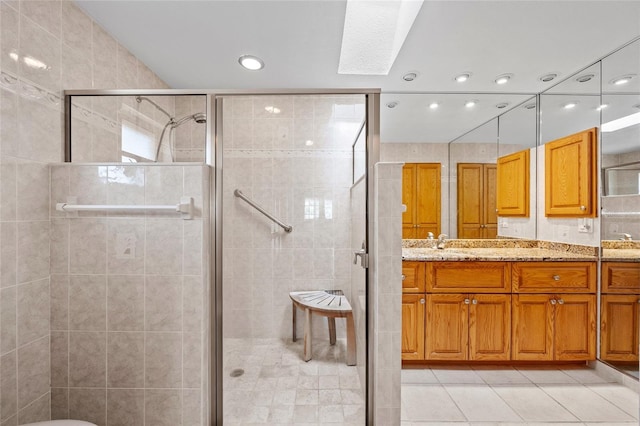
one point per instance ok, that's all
(481, 403)
(586, 404)
(533, 404)
(429, 403)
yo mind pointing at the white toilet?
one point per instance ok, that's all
(61, 423)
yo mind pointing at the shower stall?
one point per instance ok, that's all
(164, 318)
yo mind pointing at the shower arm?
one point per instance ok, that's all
(139, 99)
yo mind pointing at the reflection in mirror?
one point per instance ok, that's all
(472, 187)
(516, 133)
(138, 129)
(620, 165)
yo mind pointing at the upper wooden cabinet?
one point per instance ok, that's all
(421, 195)
(477, 216)
(571, 175)
(513, 184)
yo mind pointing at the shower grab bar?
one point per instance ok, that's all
(630, 214)
(184, 207)
(239, 194)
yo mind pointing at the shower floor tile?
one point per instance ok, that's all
(266, 381)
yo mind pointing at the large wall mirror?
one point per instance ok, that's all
(138, 129)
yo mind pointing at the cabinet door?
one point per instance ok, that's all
(621, 277)
(479, 277)
(575, 327)
(619, 327)
(513, 184)
(413, 326)
(549, 277)
(413, 278)
(570, 175)
(427, 199)
(447, 330)
(470, 202)
(490, 327)
(408, 199)
(532, 328)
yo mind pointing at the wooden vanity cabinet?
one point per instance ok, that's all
(413, 321)
(413, 277)
(421, 196)
(571, 175)
(619, 310)
(468, 327)
(619, 327)
(464, 277)
(554, 311)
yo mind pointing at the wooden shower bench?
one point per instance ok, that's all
(331, 304)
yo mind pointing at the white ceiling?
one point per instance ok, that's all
(196, 44)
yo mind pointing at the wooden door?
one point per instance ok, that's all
(513, 184)
(571, 175)
(621, 277)
(532, 327)
(490, 215)
(413, 277)
(447, 330)
(413, 326)
(427, 212)
(490, 327)
(470, 200)
(619, 327)
(575, 327)
(409, 200)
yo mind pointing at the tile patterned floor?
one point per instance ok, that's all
(492, 396)
(278, 387)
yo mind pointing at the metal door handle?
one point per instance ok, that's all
(560, 302)
(364, 257)
(474, 301)
(467, 301)
(422, 301)
(552, 301)
(556, 277)
(403, 276)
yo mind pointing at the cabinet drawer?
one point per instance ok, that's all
(413, 277)
(621, 277)
(471, 277)
(549, 277)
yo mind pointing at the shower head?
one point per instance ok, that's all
(198, 117)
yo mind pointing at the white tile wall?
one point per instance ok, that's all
(127, 327)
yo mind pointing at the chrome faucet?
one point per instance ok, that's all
(625, 236)
(441, 241)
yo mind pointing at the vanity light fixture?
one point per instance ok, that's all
(502, 105)
(272, 110)
(530, 106)
(503, 79)
(547, 77)
(471, 103)
(618, 81)
(569, 105)
(601, 107)
(584, 78)
(461, 78)
(434, 105)
(392, 104)
(250, 62)
(410, 76)
(621, 123)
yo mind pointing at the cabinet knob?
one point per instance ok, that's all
(481, 226)
(422, 301)
(552, 301)
(474, 301)
(560, 302)
(583, 208)
(467, 301)
(403, 277)
(556, 277)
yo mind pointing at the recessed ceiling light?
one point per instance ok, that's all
(601, 107)
(410, 76)
(434, 105)
(308, 142)
(461, 78)
(547, 77)
(14, 56)
(584, 78)
(502, 105)
(530, 106)
(618, 81)
(392, 104)
(569, 105)
(272, 110)
(471, 103)
(250, 62)
(503, 79)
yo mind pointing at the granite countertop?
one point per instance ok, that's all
(497, 250)
(621, 251)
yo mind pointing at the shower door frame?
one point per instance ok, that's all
(214, 153)
(213, 158)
